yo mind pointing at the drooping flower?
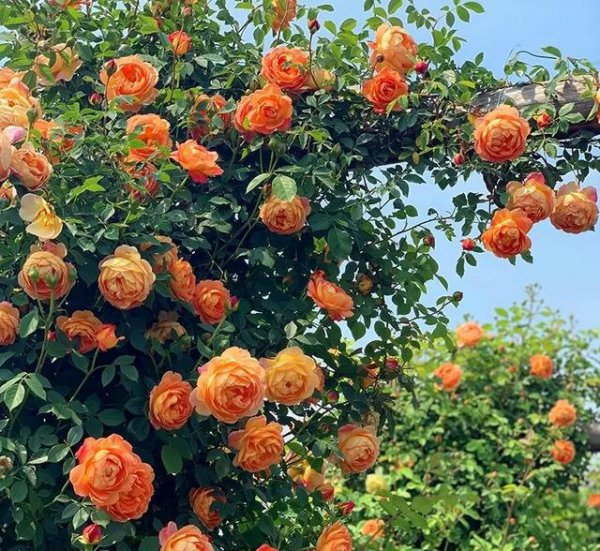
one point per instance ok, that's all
(42, 221)
(330, 297)
(200, 163)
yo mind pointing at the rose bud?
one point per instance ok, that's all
(364, 284)
(96, 98)
(429, 240)
(458, 159)
(468, 244)
(391, 364)
(187, 11)
(333, 396)
(421, 67)
(543, 120)
(91, 534)
(313, 26)
(106, 337)
(457, 296)
(346, 507)
(110, 67)
(6, 465)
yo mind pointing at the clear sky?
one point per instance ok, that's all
(566, 266)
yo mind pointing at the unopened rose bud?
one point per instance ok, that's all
(51, 335)
(333, 396)
(391, 364)
(96, 98)
(457, 296)
(32, 115)
(110, 67)
(325, 427)
(421, 67)
(106, 337)
(6, 465)
(543, 120)
(34, 275)
(512, 369)
(51, 280)
(429, 240)
(313, 26)
(234, 303)
(364, 284)
(159, 22)
(458, 159)
(327, 491)
(468, 244)
(187, 11)
(346, 507)
(72, 274)
(91, 535)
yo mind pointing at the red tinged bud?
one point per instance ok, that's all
(421, 67)
(91, 534)
(457, 296)
(96, 98)
(391, 364)
(468, 244)
(346, 507)
(333, 396)
(458, 159)
(110, 67)
(429, 240)
(543, 120)
(313, 26)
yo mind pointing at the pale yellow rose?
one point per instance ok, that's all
(43, 221)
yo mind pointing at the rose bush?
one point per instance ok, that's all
(193, 216)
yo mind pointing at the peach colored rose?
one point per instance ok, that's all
(167, 327)
(165, 258)
(45, 274)
(170, 406)
(31, 167)
(562, 414)
(183, 280)
(134, 502)
(394, 48)
(144, 183)
(40, 216)
(541, 366)
(576, 208)
(7, 75)
(318, 78)
(264, 112)
(385, 88)
(106, 337)
(450, 375)
(593, 500)
(285, 13)
(181, 42)
(56, 139)
(335, 538)
(469, 334)
(230, 386)
(82, 325)
(533, 197)
(330, 297)
(374, 529)
(188, 538)
(507, 234)
(259, 445)
(359, 447)
(284, 217)
(60, 64)
(15, 102)
(501, 135)
(125, 279)
(286, 67)
(202, 501)
(153, 131)
(200, 163)
(132, 84)
(9, 323)
(291, 377)
(563, 451)
(210, 301)
(9, 136)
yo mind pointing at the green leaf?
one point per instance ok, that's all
(14, 396)
(552, 51)
(29, 323)
(90, 184)
(171, 459)
(474, 7)
(18, 491)
(257, 181)
(111, 417)
(35, 385)
(284, 188)
(340, 243)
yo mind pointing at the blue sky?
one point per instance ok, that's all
(566, 266)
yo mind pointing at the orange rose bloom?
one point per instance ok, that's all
(7, 75)
(576, 209)
(335, 538)
(204, 109)
(507, 235)
(125, 279)
(170, 406)
(166, 257)
(286, 67)
(167, 327)
(210, 301)
(66, 62)
(266, 547)
(132, 84)
(593, 500)
(384, 88)
(285, 13)
(32, 168)
(183, 280)
(394, 48)
(153, 131)
(263, 112)
(562, 414)
(359, 447)
(200, 163)
(450, 374)
(144, 183)
(374, 528)
(563, 451)
(259, 445)
(330, 297)
(541, 366)
(202, 501)
(291, 377)
(133, 503)
(15, 101)
(501, 135)
(181, 42)
(106, 337)
(468, 334)
(284, 217)
(113, 477)
(9, 323)
(534, 197)
(45, 274)
(188, 538)
(230, 386)
(82, 325)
